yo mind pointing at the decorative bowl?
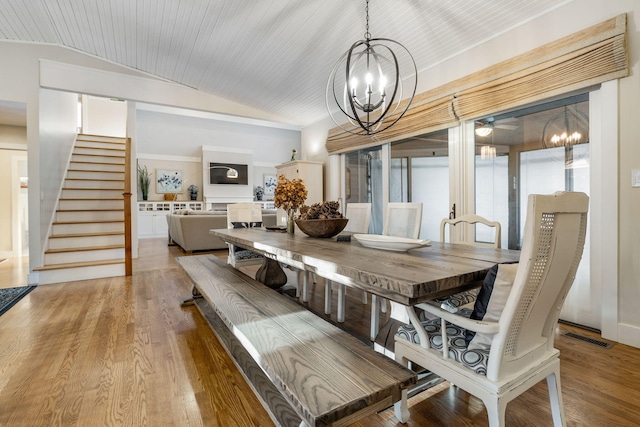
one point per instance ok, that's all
(322, 227)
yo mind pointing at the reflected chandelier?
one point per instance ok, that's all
(567, 128)
(374, 106)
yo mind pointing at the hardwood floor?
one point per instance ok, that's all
(13, 272)
(122, 351)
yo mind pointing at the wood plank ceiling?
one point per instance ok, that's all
(273, 55)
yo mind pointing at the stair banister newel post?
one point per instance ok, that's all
(128, 256)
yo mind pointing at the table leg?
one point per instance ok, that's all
(341, 301)
(271, 274)
(375, 317)
(305, 286)
(327, 296)
(384, 338)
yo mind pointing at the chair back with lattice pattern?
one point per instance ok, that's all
(554, 237)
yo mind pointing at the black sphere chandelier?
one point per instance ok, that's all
(366, 84)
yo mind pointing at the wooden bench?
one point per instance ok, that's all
(310, 372)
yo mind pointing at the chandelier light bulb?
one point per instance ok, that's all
(383, 85)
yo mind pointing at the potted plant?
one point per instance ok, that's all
(259, 192)
(144, 179)
(193, 192)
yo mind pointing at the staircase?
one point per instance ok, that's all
(87, 239)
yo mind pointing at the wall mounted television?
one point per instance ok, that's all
(218, 174)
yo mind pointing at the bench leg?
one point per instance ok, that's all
(195, 293)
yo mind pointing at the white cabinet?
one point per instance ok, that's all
(152, 216)
(266, 204)
(311, 175)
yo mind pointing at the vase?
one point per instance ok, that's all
(291, 226)
(194, 196)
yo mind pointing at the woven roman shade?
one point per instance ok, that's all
(588, 57)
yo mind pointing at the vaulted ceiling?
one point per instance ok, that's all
(273, 55)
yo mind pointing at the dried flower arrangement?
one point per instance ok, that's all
(289, 195)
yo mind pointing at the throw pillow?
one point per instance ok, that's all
(491, 301)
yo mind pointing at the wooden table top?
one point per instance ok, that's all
(405, 277)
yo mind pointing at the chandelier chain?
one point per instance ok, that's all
(367, 34)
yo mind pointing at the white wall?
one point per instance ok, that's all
(170, 138)
(57, 131)
(13, 140)
(13, 137)
(104, 116)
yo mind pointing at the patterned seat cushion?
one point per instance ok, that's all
(241, 253)
(456, 300)
(476, 360)
(245, 254)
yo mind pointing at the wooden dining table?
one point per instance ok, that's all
(407, 278)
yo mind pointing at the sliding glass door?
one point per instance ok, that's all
(420, 173)
(536, 150)
(363, 183)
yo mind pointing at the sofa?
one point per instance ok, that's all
(189, 229)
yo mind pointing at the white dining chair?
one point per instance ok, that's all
(515, 339)
(471, 219)
(359, 215)
(243, 215)
(469, 296)
(401, 219)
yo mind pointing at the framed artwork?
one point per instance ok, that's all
(168, 181)
(270, 182)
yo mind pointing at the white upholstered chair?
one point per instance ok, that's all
(243, 215)
(359, 215)
(518, 349)
(402, 219)
(471, 219)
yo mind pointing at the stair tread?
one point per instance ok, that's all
(90, 248)
(84, 170)
(106, 233)
(91, 147)
(93, 162)
(76, 199)
(92, 221)
(79, 264)
(93, 179)
(89, 210)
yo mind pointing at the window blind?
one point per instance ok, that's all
(588, 57)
